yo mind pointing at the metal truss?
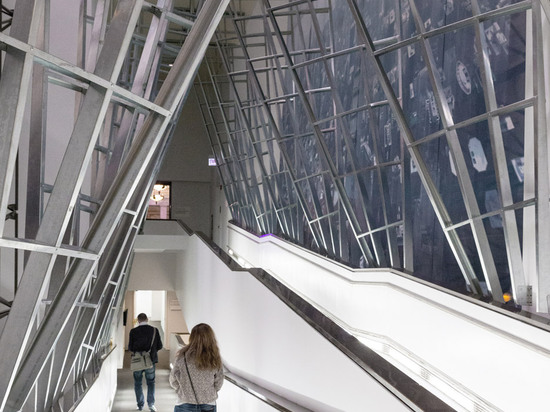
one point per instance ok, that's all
(261, 109)
(262, 134)
(58, 315)
(241, 169)
(416, 140)
(337, 128)
(421, 114)
(252, 130)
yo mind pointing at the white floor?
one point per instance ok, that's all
(125, 399)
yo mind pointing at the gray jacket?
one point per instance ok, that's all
(207, 382)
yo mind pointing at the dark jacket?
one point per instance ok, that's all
(140, 341)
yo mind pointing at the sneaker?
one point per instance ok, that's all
(139, 408)
(153, 408)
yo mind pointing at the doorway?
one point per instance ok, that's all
(153, 304)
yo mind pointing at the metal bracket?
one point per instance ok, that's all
(13, 212)
(5, 302)
(525, 295)
(156, 11)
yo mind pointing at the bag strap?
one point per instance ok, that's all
(153, 340)
(190, 381)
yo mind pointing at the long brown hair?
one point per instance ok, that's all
(203, 347)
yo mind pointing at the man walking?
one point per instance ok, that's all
(142, 338)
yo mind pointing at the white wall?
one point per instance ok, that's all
(186, 166)
(101, 395)
(120, 342)
(143, 303)
(150, 302)
(172, 319)
(175, 323)
(264, 341)
(191, 203)
(159, 305)
(221, 214)
(233, 398)
(153, 271)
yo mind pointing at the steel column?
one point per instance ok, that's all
(511, 234)
(14, 87)
(56, 217)
(542, 178)
(173, 90)
(465, 183)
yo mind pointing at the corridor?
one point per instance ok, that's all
(125, 400)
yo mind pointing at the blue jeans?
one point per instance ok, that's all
(191, 407)
(150, 378)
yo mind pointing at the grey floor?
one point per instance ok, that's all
(125, 399)
(165, 396)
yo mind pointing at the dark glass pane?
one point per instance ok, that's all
(369, 186)
(505, 38)
(334, 140)
(519, 221)
(513, 130)
(345, 33)
(349, 80)
(390, 62)
(324, 194)
(434, 260)
(435, 14)
(488, 5)
(361, 138)
(381, 17)
(458, 70)
(468, 243)
(289, 147)
(478, 153)
(307, 194)
(322, 104)
(393, 192)
(309, 161)
(352, 191)
(419, 102)
(388, 137)
(442, 171)
(497, 243)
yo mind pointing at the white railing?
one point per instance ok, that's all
(473, 356)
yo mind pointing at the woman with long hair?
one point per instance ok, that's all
(197, 373)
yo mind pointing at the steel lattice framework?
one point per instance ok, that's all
(136, 64)
(383, 133)
(402, 133)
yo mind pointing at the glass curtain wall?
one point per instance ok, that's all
(405, 134)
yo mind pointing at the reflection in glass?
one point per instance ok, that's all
(363, 166)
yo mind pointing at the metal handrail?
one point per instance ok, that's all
(95, 373)
(275, 401)
(402, 386)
